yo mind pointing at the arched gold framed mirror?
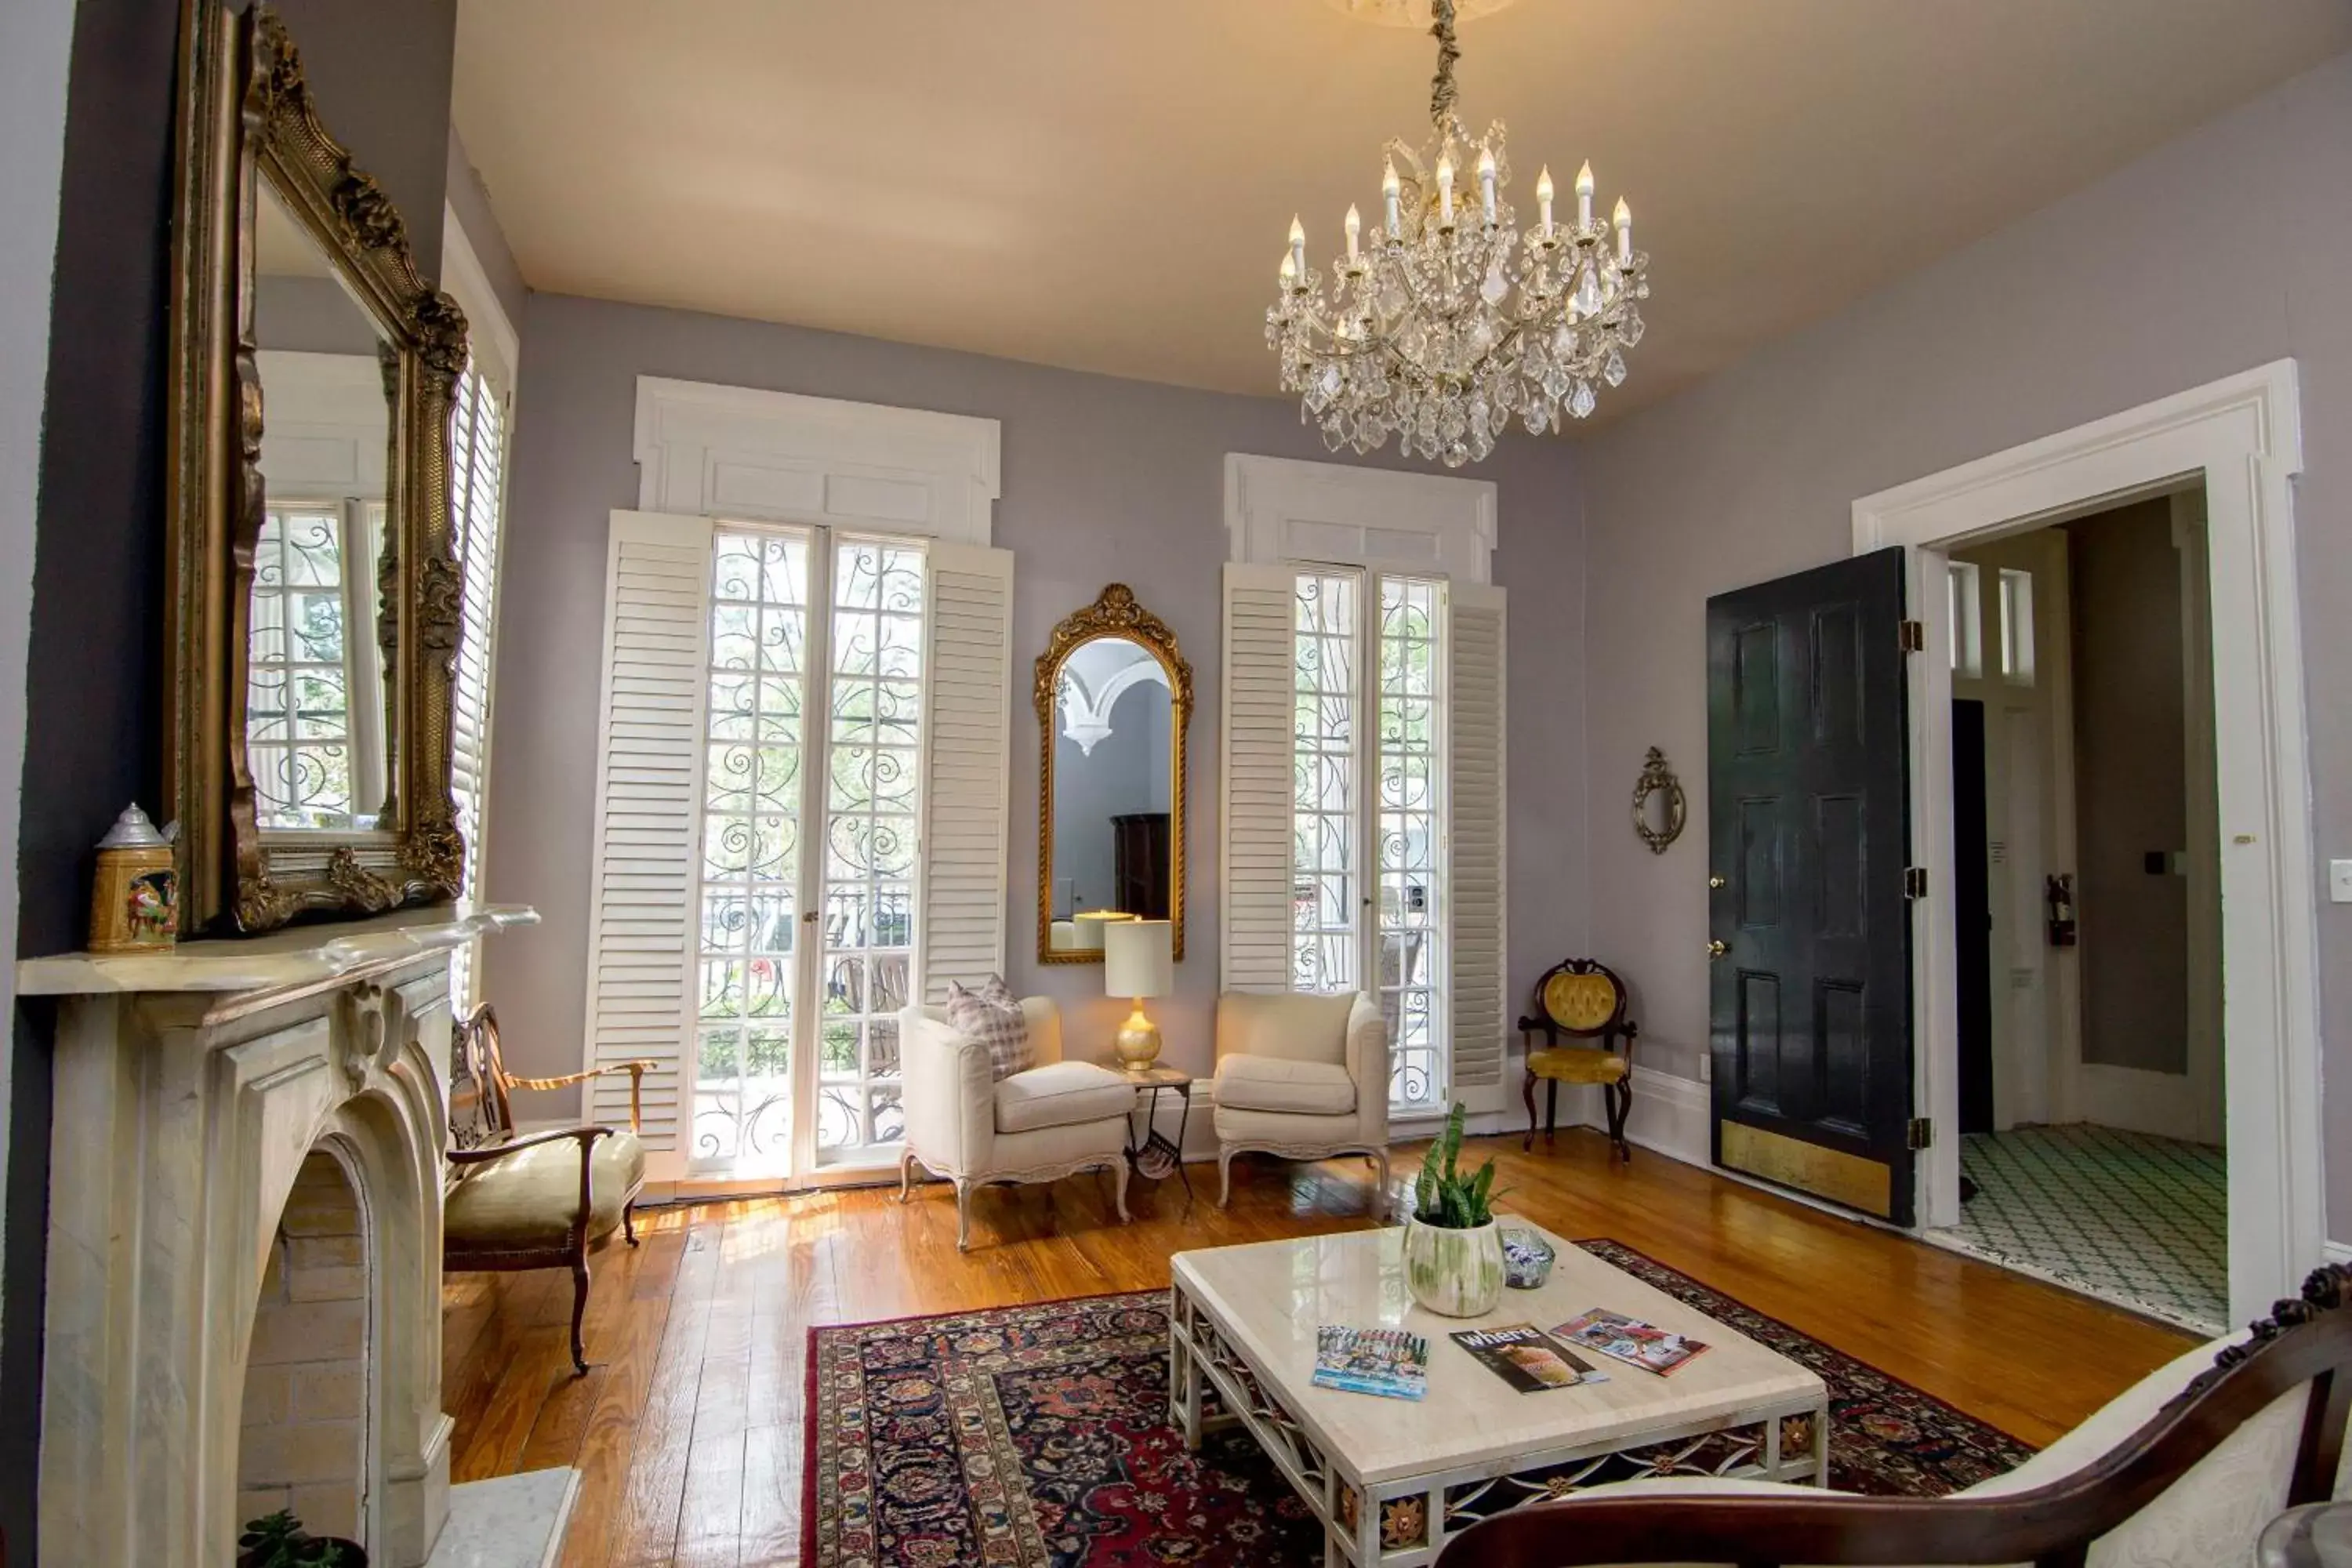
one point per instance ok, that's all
(1114, 700)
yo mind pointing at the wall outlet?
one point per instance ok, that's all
(2339, 881)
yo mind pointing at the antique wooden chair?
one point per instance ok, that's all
(539, 1202)
(2181, 1471)
(1584, 1001)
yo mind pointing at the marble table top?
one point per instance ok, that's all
(1270, 1297)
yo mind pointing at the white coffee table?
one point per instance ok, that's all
(1391, 1479)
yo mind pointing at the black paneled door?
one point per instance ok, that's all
(1808, 825)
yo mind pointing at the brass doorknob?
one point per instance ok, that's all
(1717, 948)
(1718, 882)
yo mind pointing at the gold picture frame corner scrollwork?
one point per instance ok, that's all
(262, 177)
(1116, 615)
(1658, 779)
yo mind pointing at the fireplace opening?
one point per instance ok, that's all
(306, 1441)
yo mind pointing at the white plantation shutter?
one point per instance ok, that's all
(1256, 712)
(967, 738)
(648, 784)
(477, 468)
(1477, 769)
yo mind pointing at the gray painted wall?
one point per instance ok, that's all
(36, 41)
(2130, 788)
(381, 74)
(1105, 480)
(2089, 307)
(470, 200)
(311, 315)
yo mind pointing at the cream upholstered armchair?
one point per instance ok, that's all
(1306, 1077)
(1053, 1119)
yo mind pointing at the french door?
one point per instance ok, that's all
(805, 866)
(1369, 810)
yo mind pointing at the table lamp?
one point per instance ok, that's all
(1139, 960)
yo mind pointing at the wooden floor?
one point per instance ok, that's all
(688, 1425)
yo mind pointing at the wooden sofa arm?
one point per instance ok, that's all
(636, 1072)
(2306, 1344)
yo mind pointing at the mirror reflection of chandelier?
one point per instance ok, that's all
(1444, 323)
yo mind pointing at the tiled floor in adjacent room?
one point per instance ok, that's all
(2130, 1218)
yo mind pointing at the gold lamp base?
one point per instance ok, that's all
(1139, 1040)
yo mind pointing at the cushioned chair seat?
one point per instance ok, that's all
(1578, 1064)
(1061, 1094)
(1272, 1083)
(529, 1199)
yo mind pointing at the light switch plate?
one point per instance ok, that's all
(2339, 881)
(1707, 1062)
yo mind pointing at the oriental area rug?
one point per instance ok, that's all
(1037, 1437)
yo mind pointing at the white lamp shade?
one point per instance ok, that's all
(1091, 924)
(1139, 958)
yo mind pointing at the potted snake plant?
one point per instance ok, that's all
(1452, 1249)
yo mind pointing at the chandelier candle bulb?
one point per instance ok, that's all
(1625, 216)
(1389, 193)
(1297, 247)
(1584, 198)
(1445, 191)
(1543, 198)
(1355, 229)
(1289, 272)
(1486, 184)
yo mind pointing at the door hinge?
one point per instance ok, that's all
(1920, 1134)
(1914, 882)
(1915, 636)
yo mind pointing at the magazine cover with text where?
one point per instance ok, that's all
(1630, 1339)
(1527, 1358)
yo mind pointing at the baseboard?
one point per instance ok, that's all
(2338, 1252)
(2161, 1104)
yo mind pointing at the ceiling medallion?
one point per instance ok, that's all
(1415, 14)
(1446, 322)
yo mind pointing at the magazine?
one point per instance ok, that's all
(1645, 1345)
(1527, 1358)
(1387, 1361)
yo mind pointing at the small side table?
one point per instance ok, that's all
(1153, 1156)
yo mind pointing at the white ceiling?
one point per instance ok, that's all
(1106, 183)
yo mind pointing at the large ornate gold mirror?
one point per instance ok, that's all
(313, 592)
(1114, 698)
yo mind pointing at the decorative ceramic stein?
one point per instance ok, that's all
(1454, 1273)
(135, 904)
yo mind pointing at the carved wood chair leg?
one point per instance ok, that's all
(1118, 1185)
(963, 1215)
(1224, 1176)
(1381, 1192)
(1552, 1108)
(579, 1312)
(1527, 1093)
(906, 1174)
(1621, 1106)
(629, 1221)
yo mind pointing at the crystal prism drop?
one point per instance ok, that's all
(1581, 403)
(1613, 371)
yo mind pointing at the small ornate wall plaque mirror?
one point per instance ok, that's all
(1114, 696)
(1658, 806)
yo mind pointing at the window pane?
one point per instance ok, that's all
(871, 829)
(1407, 840)
(748, 924)
(1325, 897)
(297, 707)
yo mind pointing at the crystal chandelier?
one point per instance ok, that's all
(1446, 322)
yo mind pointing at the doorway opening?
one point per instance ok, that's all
(2086, 908)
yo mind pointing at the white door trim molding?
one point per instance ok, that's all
(738, 452)
(1279, 509)
(2241, 435)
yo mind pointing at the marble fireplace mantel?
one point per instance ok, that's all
(190, 1085)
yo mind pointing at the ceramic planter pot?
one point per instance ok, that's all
(1455, 1273)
